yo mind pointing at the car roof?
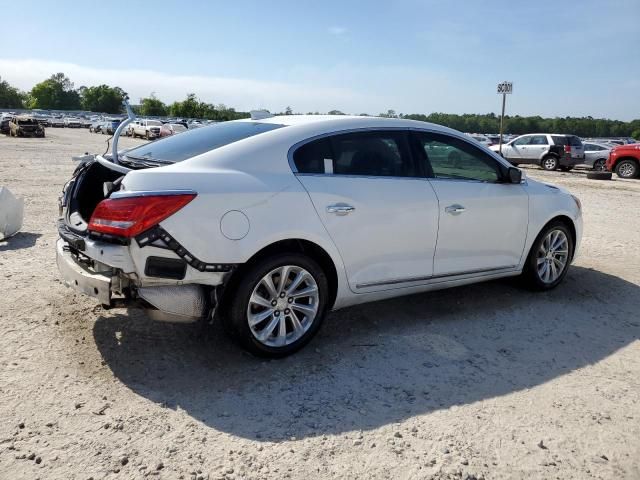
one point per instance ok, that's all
(346, 122)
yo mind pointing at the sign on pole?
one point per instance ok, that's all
(504, 88)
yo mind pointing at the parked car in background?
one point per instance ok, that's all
(109, 126)
(625, 161)
(25, 126)
(144, 128)
(96, 126)
(550, 151)
(85, 122)
(169, 129)
(596, 155)
(481, 139)
(42, 119)
(265, 225)
(4, 123)
(72, 122)
(57, 122)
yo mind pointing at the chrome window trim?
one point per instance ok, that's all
(430, 278)
(150, 193)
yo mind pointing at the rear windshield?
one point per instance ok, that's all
(195, 142)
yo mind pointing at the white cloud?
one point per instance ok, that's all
(240, 93)
(337, 31)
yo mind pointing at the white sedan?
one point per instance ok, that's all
(267, 224)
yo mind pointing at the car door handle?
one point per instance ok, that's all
(340, 209)
(455, 209)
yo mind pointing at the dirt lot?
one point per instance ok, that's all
(483, 381)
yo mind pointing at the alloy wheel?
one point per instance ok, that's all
(552, 256)
(550, 163)
(599, 165)
(627, 170)
(283, 306)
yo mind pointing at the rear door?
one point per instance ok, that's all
(381, 213)
(482, 220)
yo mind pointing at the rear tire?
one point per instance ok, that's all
(298, 327)
(600, 165)
(552, 248)
(549, 163)
(627, 169)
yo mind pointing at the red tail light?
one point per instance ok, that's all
(130, 216)
(567, 149)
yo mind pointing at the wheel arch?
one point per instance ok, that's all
(297, 245)
(570, 225)
(621, 159)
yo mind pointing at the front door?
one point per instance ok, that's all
(482, 220)
(381, 214)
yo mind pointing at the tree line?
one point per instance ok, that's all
(58, 93)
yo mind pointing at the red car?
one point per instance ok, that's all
(625, 160)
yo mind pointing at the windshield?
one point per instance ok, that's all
(195, 142)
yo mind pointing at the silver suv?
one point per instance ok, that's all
(550, 151)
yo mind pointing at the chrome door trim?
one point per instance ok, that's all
(430, 278)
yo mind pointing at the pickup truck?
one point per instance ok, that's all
(148, 129)
(625, 161)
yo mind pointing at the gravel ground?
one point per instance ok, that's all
(485, 381)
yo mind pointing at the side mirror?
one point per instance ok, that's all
(514, 175)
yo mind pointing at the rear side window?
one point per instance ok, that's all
(195, 142)
(539, 140)
(560, 140)
(310, 157)
(372, 154)
(575, 141)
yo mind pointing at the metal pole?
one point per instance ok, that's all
(504, 99)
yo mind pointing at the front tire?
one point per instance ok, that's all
(549, 257)
(277, 305)
(549, 163)
(627, 169)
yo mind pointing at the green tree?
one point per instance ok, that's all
(10, 97)
(55, 93)
(152, 106)
(102, 98)
(288, 111)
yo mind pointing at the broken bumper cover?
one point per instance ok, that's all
(81, 279)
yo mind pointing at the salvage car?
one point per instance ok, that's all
(25, 126)
(267, 224)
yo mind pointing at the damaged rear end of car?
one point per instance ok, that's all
(113, 248)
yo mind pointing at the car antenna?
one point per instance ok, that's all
(130, 118)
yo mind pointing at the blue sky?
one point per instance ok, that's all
(564, 57)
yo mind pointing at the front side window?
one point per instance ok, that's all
(454, 158)
(522, 141)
